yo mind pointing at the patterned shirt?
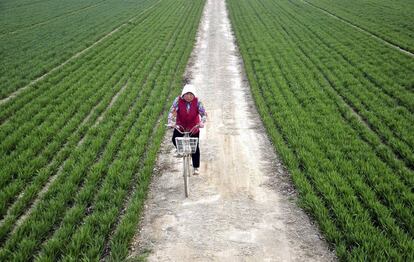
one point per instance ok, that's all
(201, 110)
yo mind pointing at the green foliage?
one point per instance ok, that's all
(36, 37)
(390, 20)
(338, 109)
(94, 126)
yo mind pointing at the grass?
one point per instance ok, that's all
(340, 128)
(99, 150)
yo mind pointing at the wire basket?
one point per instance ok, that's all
(186, 145)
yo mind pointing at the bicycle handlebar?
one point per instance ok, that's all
(179, 128)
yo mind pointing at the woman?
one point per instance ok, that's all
(186, 111)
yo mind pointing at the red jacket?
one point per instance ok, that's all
(188, 118)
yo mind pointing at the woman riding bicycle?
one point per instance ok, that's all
(186, 110)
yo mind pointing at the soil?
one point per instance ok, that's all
(242, 206)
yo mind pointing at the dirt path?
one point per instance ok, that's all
(241, 206)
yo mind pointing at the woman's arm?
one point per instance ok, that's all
(173, 112)
(202, 111)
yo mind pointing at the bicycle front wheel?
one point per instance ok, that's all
(186, 174)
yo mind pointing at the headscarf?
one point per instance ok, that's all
(188, 88)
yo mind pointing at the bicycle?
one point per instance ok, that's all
(186, 146)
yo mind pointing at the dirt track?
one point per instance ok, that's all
(242, 205)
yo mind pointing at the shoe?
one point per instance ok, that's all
(196, 172)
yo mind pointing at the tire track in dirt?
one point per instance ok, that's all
(241, 206)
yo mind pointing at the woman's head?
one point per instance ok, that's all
(188, 93)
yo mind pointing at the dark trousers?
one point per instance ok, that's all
(196, 156)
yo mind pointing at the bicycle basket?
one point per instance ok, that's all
(186, 145)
